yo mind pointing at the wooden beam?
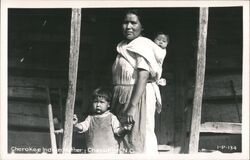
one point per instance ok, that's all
(73, 66)
(199, 83)
(60, 136)
(51, 124)
(220, 127)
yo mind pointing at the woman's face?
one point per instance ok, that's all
(131, 27)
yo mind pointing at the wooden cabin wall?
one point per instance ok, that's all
(222, 97)
(38, 58)
(28, 68)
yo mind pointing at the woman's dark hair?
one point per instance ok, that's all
(136, 12)
(102, 92)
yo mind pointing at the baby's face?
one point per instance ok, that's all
(161, 40)
(100, 105)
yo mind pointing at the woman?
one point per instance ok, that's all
(134, 100)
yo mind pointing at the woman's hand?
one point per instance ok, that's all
(131, 115)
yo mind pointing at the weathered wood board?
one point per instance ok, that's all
(219, 86)
(28, 142)
(221, 112)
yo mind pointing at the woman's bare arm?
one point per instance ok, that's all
(138, 89)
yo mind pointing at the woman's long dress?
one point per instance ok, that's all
(142, 138)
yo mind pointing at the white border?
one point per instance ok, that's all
(119, 3)
(5, 4)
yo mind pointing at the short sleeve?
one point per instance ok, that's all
(142, 63)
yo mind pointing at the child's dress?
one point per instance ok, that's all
(100, 133)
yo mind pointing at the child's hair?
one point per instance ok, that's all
(162, 33)
(102, 92)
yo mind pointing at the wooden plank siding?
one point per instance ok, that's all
(219, 105)
(219, 86)
(37, 94)
(221, 127)
(27, 109)
(164, 122)
(180, 103)
(28, 142)
(217, 112)
(28, 121)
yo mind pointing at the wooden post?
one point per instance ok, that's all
(73, 65)
(51, 124)
(199, 83)
(60, 136)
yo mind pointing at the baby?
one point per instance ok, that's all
(162, 40)
(102, 127)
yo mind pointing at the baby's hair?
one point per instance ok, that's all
(162, 33)
(103, 93)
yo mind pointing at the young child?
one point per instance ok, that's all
(161, 39)
(102, 127)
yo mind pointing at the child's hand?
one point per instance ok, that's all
(124, 129)
(128, 127)
(75, 119)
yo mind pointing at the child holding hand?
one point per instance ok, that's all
(102, 128)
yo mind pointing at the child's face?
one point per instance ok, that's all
(100, 105)
(161, 40)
